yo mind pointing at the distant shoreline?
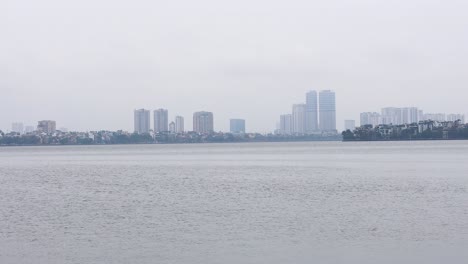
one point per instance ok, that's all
(175, 143)
(405, 140)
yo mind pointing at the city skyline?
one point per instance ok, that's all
(405, 115)
(376, 118)
(247, 131)
(316, 116)
(89, 80)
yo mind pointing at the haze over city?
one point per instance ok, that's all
(89, 64)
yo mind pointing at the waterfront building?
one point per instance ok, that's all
(29, 129)
(370, 118)
(141, 120)
(172, 127)
(179, 124)
(327, 111)
(203, 122)
(350, 125)
(455, 117)
(299, 119)
(237, 125)
(420, 115)
(285, 126)
(161, 120)
(311, 115)
(391, 115)
(423, 130)
(440, 117)
(46, 126)
(17, 127)
(409, 115)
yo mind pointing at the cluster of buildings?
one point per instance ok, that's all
(142, 124)
(422, 130)
(44, 126)
(316, 116)
(203, 122)
(405, 115)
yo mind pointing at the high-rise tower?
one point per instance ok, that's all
(141, 118)
(203, 122)
(161, 120)
(299, 118)
(311, 115)
(179, 124)
(327, 111)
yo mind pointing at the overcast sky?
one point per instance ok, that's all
(87, 64)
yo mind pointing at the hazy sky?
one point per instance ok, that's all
(87, 64)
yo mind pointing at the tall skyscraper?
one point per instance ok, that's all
(237, 125)
(17, 127)
(46, 126)
(311, 114)
(179, 124)
(299, 118)
(285, 124)
(327, 111)
(161, 120)
(203, 122)
(141, 120)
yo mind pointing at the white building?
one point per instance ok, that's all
(299, 118)
(17, 127)
(440, 117)
(285, 126)
(179, 124)
(311, 115)
(46, 126)
(391, 116)
(455, 117)
(161, 120)
(327, 111)
(370, 118)
(203, 122)
(420, 115)
(141, 121)
(409, 115)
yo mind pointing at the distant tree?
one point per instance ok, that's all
(426, 134)
(348, 135)
(406, 134)
(85, 141)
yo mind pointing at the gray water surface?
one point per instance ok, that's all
(377, 202)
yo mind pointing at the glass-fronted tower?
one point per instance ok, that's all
(327, 111)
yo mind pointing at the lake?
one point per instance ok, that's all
(324, 202)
